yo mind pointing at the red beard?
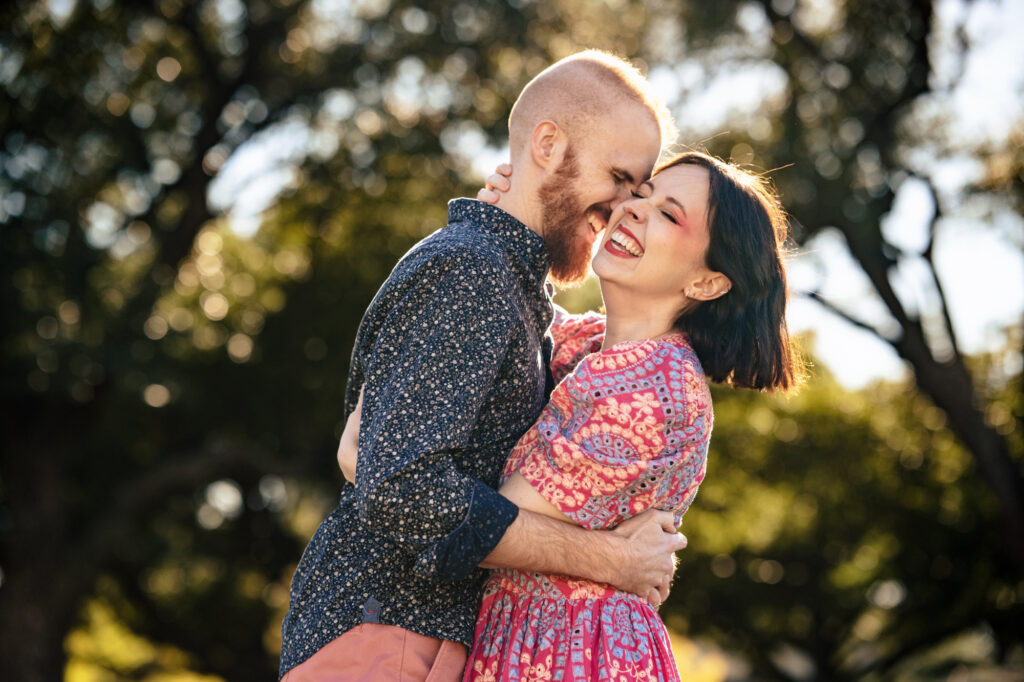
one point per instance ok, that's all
(568, 252)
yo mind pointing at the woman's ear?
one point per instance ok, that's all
(709, 287)
(547, 145)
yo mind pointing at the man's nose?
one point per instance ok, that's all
(623, 193)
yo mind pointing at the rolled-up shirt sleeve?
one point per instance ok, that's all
(427, 373)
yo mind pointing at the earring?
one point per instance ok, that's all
(689, 293)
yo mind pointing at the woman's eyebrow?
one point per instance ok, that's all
(681, 207)
(671, 200)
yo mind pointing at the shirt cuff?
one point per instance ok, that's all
(459, 553)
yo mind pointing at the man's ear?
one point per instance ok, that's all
(709, 287)
(547, 145)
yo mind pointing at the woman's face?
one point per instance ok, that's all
(656, 242)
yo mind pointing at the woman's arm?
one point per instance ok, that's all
(638, 556)
(627, 431)
(348, 448)
(518, 490)
(515, 489)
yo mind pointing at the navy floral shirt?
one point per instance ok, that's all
(452, 355)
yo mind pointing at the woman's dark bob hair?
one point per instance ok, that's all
(741, 337)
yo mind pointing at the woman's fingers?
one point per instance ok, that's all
(488, 196)
(496, 184)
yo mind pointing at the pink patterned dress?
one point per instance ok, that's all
(626, 430)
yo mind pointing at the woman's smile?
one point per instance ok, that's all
(624, 244)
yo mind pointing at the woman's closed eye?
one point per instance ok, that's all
(636, 195)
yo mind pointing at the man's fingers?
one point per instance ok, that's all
(663, 589)
(681, 541)
(504, 169)
(654, 597)
(666, 520)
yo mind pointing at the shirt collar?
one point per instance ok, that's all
(524, 247)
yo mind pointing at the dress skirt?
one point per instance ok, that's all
(536, 626)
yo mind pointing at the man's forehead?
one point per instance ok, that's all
(633, 158)
(631, 144)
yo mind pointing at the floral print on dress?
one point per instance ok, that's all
(626, 430)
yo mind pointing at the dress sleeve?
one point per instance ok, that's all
(627, 431)
(574, 337)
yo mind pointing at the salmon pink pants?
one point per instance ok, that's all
(374, 651)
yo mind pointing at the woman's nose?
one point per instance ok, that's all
(635, 209)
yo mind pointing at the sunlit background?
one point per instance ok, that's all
(199, 199)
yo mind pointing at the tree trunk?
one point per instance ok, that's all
(36, 613)
(950, 387)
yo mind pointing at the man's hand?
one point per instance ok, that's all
(649, 562)
(348, 448)
(637, 557)
(496, 184)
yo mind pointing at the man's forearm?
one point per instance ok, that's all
(637, 557)
(535, 542)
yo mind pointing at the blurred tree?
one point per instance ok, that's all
(862, 109)
(171, 382)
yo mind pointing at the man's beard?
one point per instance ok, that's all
(568, 251)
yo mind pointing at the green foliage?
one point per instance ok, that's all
(847, 530)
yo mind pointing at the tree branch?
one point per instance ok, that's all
(836, 310)
(929, 256)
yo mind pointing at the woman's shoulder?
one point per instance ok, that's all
(667, 366)
(566, 326)
(574, 337)
(647, 354)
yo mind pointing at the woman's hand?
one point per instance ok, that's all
(348, 448)
(496, 184)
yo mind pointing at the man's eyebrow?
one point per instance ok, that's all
(624, 174)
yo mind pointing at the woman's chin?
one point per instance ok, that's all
(599, 264)
(608, 268)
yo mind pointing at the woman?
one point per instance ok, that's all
(694, 286)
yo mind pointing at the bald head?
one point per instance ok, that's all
(579, 93)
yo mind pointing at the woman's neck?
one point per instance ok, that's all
(632, 317)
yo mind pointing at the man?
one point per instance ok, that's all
(452, 359)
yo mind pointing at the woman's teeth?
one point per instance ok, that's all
(629, 245)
